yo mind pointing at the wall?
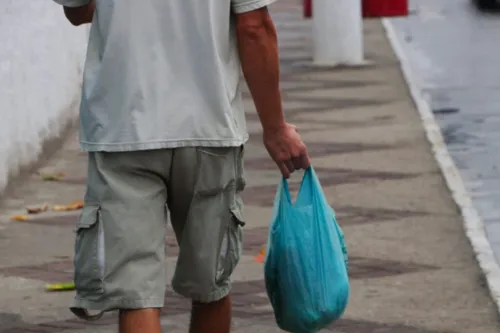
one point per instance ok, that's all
(41, 61)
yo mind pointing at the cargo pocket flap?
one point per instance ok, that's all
(238, 215)
(88, 217)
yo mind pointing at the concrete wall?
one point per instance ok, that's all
(41, 62)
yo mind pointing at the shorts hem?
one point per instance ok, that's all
(80, 305)
(212, 297)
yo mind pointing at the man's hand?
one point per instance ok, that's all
(287, 149)
(258, 49)
(80, 15)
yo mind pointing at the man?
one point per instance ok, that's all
(163, 122)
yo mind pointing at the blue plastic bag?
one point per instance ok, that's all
(306, 261)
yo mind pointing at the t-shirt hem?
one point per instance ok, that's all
(72, 3)
(251, 5)
(165, 144)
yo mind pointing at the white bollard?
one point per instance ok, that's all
(337, 32)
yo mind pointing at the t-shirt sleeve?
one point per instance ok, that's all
(73, 3)
(243, 6)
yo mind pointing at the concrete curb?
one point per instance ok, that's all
(473, 225)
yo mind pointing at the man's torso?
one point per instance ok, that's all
(162, 74)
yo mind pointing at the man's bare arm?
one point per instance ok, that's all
(258, 50)
(80, 15)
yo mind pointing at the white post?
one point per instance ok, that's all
(338, 32)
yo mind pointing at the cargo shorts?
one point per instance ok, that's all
(120, 254)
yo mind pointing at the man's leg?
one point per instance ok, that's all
(206, 212)
(120, 244)
(135, 321)
(211, 317)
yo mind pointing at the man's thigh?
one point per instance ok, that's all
(206, 213)
(120, 242)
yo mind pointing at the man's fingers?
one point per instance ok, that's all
(290, 166)
(297, 163)
(284, 169)
(305, 161)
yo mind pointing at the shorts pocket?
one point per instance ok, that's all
(231, 248)
(89, 252)
(216, 170)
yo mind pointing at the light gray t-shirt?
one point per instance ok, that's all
(162, 74)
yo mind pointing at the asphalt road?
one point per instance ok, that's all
(455, 55)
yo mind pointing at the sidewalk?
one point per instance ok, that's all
(411, 267)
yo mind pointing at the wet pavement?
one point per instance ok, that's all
(456, 61)
(411, 267)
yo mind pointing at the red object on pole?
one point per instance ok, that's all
(381, 8)
(308, 8)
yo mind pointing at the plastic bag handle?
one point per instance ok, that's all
(285, 192)
(284, 187)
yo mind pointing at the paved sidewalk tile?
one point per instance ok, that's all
(411, 267)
